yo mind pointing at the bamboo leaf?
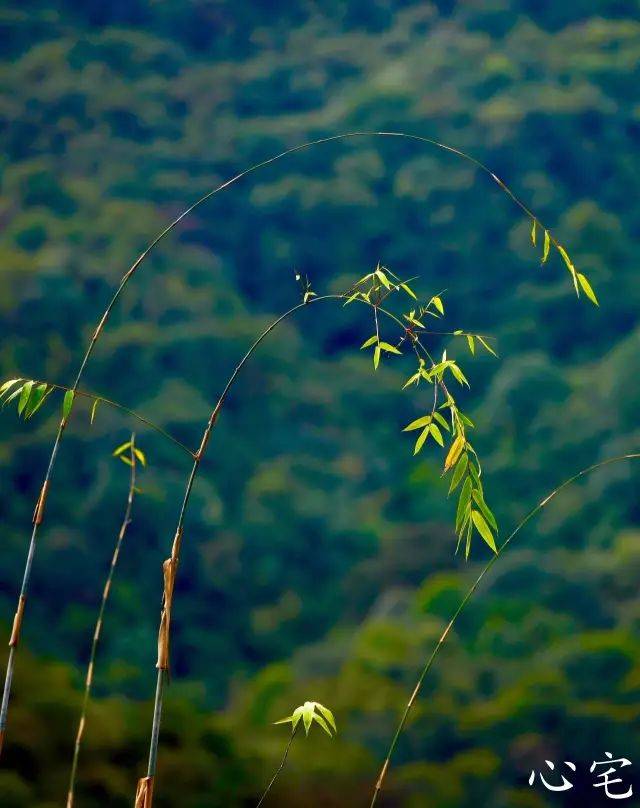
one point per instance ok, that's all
(418, 423)
(37, 399)
(435, 431)
(326, 712)
(383, 279)
(483, 529)
(454, 452)
(120, 449)
(458, 473)
(586, 286)
(140, 455)
(437, 302)
(484, 508)
(533, 233)
(471, 343)
(408, 290)
(94, 408)
(307, 715)
(441, 420)
(7, 386)
(421, 439)
(463, 504)
(488, 347)
(24, 396)
(545, 249)
(376, 357)
(321, 722)
(368, 343)
(13, 395)
(67, 403)
(389, 348)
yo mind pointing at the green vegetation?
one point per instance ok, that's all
(319, 555)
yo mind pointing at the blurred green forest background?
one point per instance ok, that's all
(318, 559)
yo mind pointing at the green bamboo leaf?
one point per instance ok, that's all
(484, 508)
(471, 343)
(586, 286)
(120, 449)
(458, 473)
(321, 722)
(140, 455)
(376, 357)
(67, 403)
(488, 347)
(36, 400)
(368, 343)
(14, 394)
(389, 348)
(307, 715)
(408, 290)
(94, 408)
(441, 420)
(4, 390)
(418, 423)
(545, 249)
(326, 712)
(24, 396)
(437, 302)
(383, 279)
(421, 439)
(463, 503)
(435, 431)
(533, 233)
(483, 529)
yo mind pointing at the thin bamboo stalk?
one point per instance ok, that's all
(126, 521)
(39, 514)
(463, 603)
(279, 769)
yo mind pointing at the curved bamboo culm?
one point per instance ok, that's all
(39, 510)
(463, 603)
(126, 521)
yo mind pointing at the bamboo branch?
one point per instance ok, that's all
(463, 603)
(98, 627)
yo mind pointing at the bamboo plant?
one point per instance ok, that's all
(130, 454)
(309, 713)
(442, 423)
(380, 781)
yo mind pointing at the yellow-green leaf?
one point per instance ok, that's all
(483, 529)
(67, 403)
(418, 423)
(545, 249)
(586, 286)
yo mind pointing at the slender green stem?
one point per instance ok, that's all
(463, 603)
(126, 521)
(109, 402)
(13, 642)
(280, 767)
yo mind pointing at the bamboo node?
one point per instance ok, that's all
(169, 568)
(144, 793)
(382, 774)
(17, 622)
(38, 513)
